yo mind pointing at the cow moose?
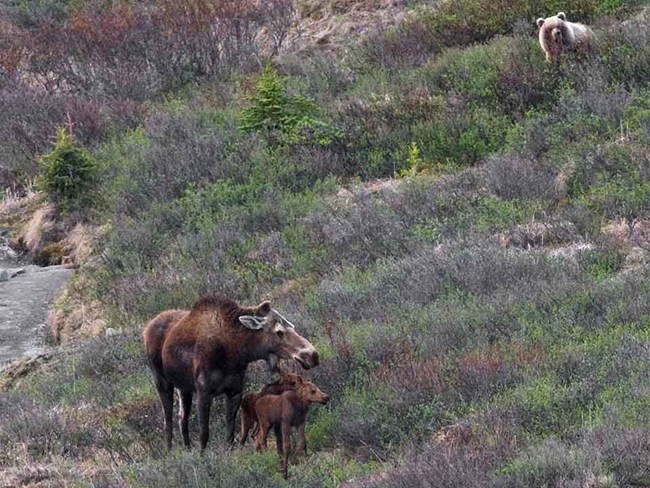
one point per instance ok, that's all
(206, 350)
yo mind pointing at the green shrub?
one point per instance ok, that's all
(280, 117)
(548, 464)
(602, 263)
(70, 174)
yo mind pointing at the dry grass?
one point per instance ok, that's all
(76, 319)
(16, 209)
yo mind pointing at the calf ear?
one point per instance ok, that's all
(540, 21)
(561, 15)
(251, 322)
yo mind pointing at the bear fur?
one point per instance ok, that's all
(557, 36)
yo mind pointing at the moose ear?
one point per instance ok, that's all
(561, 15)
(540, 22)
(251, 322)
(264, 308)
(283, 320)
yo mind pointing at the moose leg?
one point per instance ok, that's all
(232, 406)
(286, 445)
(183, 418)
(245, 427)
(302, 441)
(248, 421)
(278, 439)
(262, 434)
(166, 394)
(203, 404)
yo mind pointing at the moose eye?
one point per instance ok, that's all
(279, 333)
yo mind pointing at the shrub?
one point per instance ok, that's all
(512, 177)
(279, 116)
(70, 174)
(549, 464)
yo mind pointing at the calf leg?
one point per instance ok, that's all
(184, 415)
(166, 394)
(203, 403)
(248, 422)
(260, 440)
(232, 406)
(302, 441)
(286, 445)
(278, 439)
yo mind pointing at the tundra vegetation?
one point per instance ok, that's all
(482, 312)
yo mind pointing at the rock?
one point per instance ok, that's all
(7, 274)
(15, 272)
(111, 332)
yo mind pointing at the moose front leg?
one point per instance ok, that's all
(232, 406)
(203, 404)
(302, 441)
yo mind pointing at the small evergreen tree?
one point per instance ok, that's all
(69, 174)
(282, 118)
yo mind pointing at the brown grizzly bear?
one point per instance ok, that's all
(557, 36)
(283, 412)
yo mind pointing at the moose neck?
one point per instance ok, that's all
(299, 403)
(255, 347)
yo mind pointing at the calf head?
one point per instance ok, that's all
(308, 391)
(290, 381)
(278, 336)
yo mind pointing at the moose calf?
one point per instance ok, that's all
(287, 382)
(283, 412)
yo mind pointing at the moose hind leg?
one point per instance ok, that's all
(262, 434)
(166, 394)
(247, 421)
(184, 415)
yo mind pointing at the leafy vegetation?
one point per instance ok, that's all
(69, 173)
(482, 318)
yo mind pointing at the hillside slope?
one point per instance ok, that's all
(461, 229)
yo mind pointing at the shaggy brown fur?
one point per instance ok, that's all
(557, 36)
(283, 412)
(207, 350)
(287, 382)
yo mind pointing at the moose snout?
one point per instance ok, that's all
(325, 400)
(307, 358)
(314, 359)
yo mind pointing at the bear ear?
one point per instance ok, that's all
(540, 21)
(561, 15)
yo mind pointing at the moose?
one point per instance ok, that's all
(281, 412)
(206, 350)
(287, 382)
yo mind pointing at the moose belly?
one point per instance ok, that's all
(216, 382)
